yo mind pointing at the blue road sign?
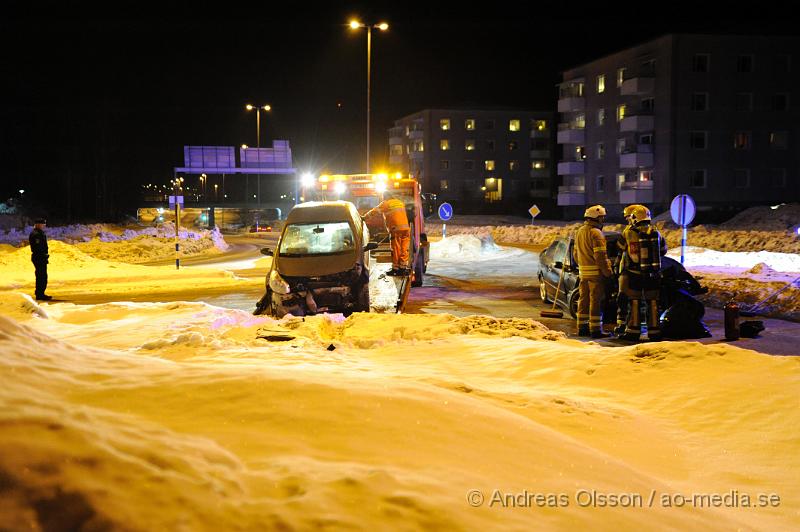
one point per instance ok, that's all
(445, 212)
(682, 210)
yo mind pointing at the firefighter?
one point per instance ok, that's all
(40, 256)
(594, 269)
(619, 268)
(394, 214)
(644, 249)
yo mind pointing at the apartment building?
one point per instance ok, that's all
(715, 117)
(477, 158)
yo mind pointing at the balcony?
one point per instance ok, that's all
(395, 141)
(570, 135)
(637, 123)
(636, 192)
(416, 134)
(416, 155)
(641, 158)
(540, 133)
(396, 159)
(571, 195)
(570, 168)
(637, 86)
(571, 103)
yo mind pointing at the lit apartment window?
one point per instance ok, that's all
(469, 124)
(697, 178)
(699, 101)
(779, 140)
(744, 101)
(620, 76)
(601, 150)
(741, 177)
(443, 184)
(601, 83)
(742, 140)
(601, 183)
(489, 165)
(513, 125)
(620, 112)
(490, 145)
(579, 121)
(621, 144)
(620, 181)
(700, 62)
(396, 149)
(493, 188)
(539, 125)
(417, 146)
(444, 144)
(744, 64)
(698, 140)
(513, 165)
(601, 116)
(780, 102)
(513, 145)
(469, 165)
(539, 164)
(645, 175)
(444, 124)
(778, 177)
(444, 165)
(580, 153)
(469, 145)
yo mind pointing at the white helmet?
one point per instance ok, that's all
(594, 212)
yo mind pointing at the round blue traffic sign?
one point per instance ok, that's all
(445, 212)
(682, 210)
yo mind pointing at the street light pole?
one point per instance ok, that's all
(383, 26)
(258, 142)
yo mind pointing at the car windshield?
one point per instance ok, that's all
(317, 239)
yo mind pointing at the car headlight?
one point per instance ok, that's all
(277, 284)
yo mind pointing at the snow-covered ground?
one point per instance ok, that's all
(184, 416)
(179, 416)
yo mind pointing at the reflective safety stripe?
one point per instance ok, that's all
(404, 227)
(600, 248)
(394, 209)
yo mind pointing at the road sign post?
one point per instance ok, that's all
(445, 213)
(682, 209)
(534, 211)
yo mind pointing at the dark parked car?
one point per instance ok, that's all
(321, 262)
(559, 256)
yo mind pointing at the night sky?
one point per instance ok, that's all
(98, 102)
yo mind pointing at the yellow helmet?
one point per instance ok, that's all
(627, 211)
(640, 213)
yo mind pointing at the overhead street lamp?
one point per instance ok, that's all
(383, 26)
(258, 110)
(203, 178)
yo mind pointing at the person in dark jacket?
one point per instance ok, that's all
(39, 257)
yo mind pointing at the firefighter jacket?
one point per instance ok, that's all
(644, 248)
(38, 241)
(590, 251)
(394, 212)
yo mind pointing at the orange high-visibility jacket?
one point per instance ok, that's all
(394, 212)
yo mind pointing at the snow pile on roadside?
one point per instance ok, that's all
(764, 218)
(73, 272)
(540, 234)
(215, 429)
(748, 278)
(131, 245)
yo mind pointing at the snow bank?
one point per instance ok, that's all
(394, 428)
(131, 245)
(75, 273)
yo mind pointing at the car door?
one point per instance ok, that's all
(558, 253)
